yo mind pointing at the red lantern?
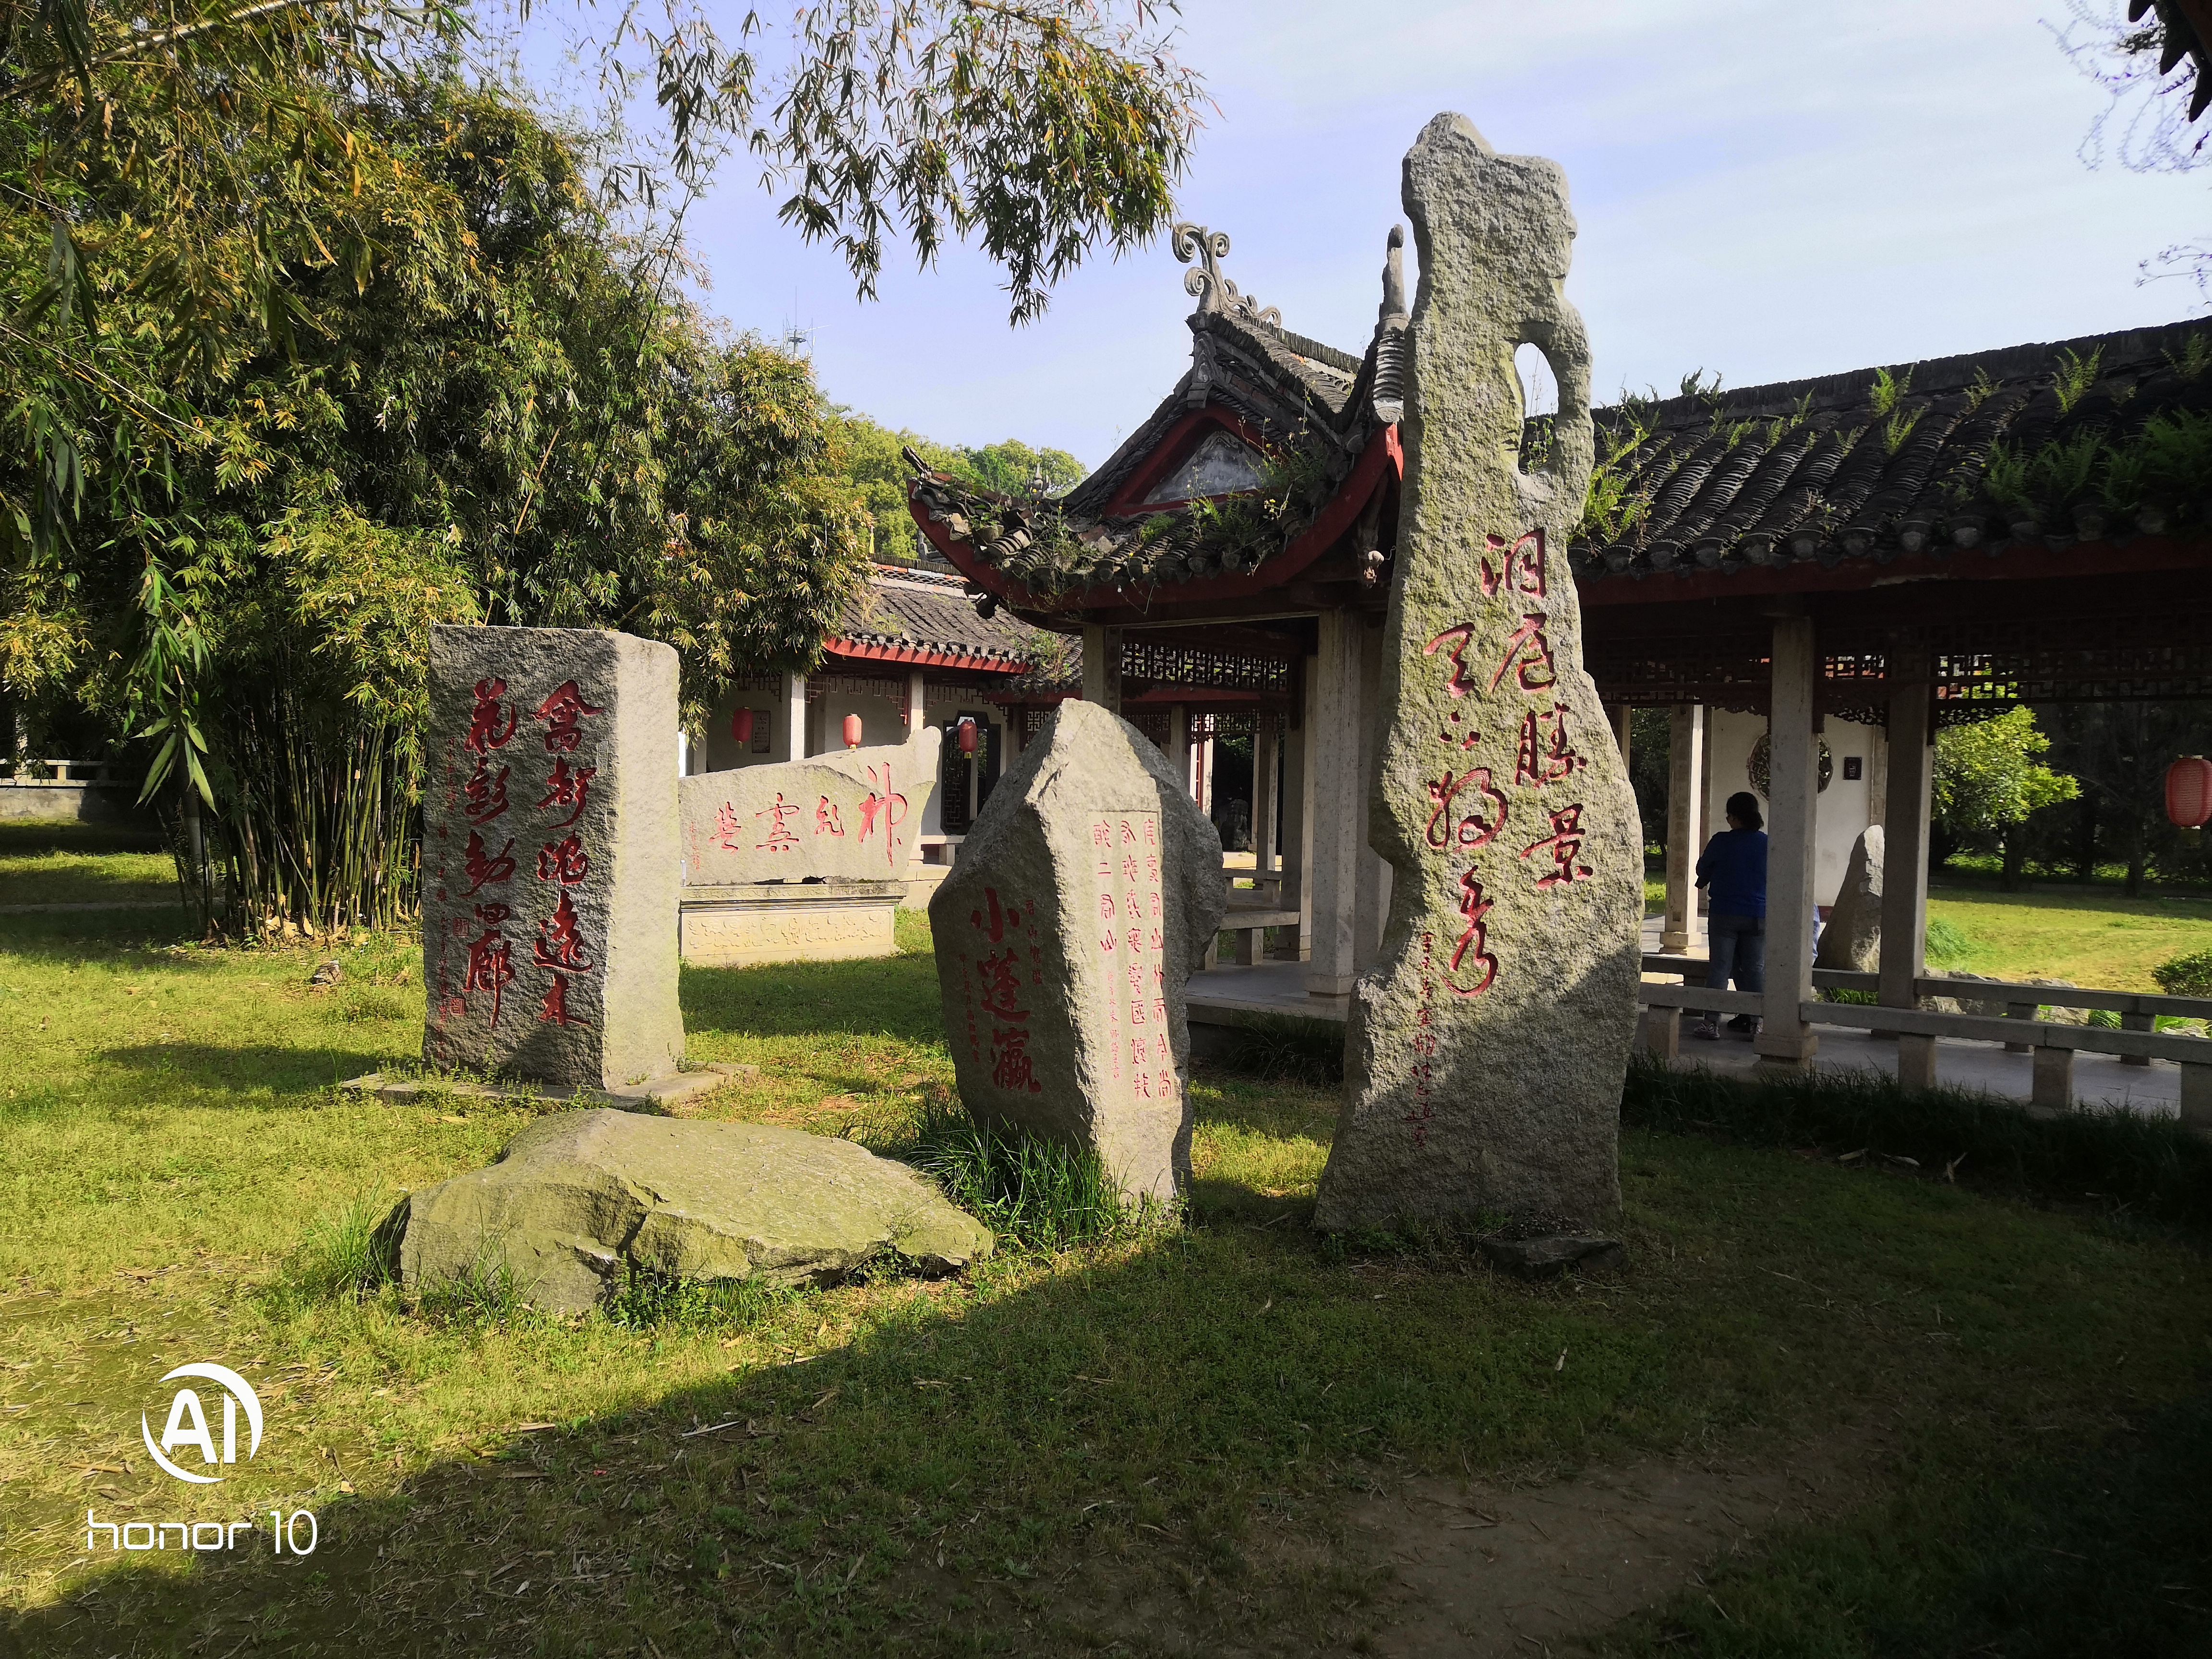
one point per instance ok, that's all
(741, 726)
(852, 731)
(967, 737)
(2189, 791)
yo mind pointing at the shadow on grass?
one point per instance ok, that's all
(244, 1066)
(1111, 1450)
(896, 996)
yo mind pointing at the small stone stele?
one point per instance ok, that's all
(549, 864)
(1084, 897)
(1852, 939)
(847, 817)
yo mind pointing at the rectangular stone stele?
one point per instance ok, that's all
(550, 860)
(851, 816)
(1486, 1049)
(1085, 895)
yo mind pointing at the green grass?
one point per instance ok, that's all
(72, 863)
(2090, 936)
(1069, 1446)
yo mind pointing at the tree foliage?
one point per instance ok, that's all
(1988, 777)
(317, 336)
(872, 460)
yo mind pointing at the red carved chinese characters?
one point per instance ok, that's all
(781, 838)
(562, 711)
(480, 865)
(996, 988)
(1521, 570)
(887, 804)
(1565, 841)
(491, 964)
(827, 820)
(1544, 758)
(1127, 864)
(484, 797)
(559, 943)
(485, 732)
(1468, 830)
(1473, 907)
(563, 861)
(1530, 652)
(569, 787)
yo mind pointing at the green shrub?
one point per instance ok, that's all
(1029, 1191)
(2189, 975)
(1944, 943)
(344, 1256)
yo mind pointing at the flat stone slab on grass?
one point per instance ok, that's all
(660, 1091)
(578, 1199)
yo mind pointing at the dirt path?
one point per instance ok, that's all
(1484, 1569)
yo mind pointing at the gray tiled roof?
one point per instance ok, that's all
(2093, 441)
(920, 607)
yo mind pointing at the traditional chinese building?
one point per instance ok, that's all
(1812, 576)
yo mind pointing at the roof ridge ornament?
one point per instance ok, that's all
(1389, 385)
(1213, 291)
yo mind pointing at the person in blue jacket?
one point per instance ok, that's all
(1734, 866)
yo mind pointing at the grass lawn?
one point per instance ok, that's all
(2091, 937)
(1158, 1444)
(69, 863)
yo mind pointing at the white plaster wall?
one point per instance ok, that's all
(722, 752)
(1841, 813)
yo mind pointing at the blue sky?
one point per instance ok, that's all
(1766, 188)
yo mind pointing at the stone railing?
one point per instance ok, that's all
(1253, 910)
(2137, 1040)
(47, 773)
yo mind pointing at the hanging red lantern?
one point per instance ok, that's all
(741, 726)
(967, 737)
(2189, 791)
(852, 731)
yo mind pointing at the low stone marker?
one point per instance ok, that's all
(845, 817)
(550, 864)
(1486, 1049)
(1085, 896)
(579, 1199)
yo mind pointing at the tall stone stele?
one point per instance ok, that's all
(1487, 1048)
(549, 856)
(1084, 897)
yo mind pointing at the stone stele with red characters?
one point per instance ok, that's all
(851, 816)
(550, 863)
(1487, 1048)
(1085, 896)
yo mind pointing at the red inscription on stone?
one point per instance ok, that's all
(1002, 984)
(481, 865)
(485, 732)
(1461, 634)
(491, 963)
(884, 800)
(1546, 758)
(1521, 570)
(569, 787)
(781, 838)
(554, 1010)
(1531, 652)
(826, 818)
(558, 944)
(561, 711)
(1473, 907)
(564, 861)
(1565, 841)
(484, 797)
(1449, 828)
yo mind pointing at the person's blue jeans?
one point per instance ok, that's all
(1736, 949)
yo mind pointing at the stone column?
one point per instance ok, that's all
(683, 752)
(915, 709)
(1910, 779)
(793, 712)
(1297, 810)
(1339, 806)
(1686, 823)
(1267, 744)
(1624, 721)
(1784, 1039)
(1201, 778)
(1178, 746)
(1101, 667)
